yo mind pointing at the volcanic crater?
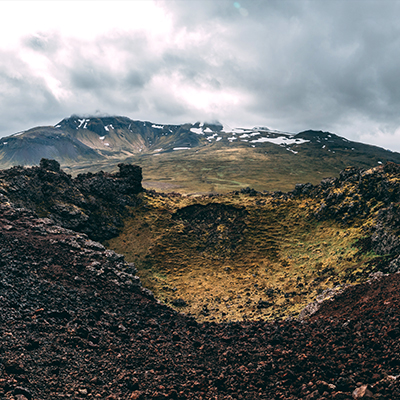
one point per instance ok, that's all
(77, 322)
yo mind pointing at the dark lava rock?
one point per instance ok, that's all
(385, 237)
(394, 266)
(263, 304)
(22, 391)
(179, 303)
(50, 165)
(302, 189)
(359, 194)
(94, 204)
(203, 221)
(348, 196)
(249, 191)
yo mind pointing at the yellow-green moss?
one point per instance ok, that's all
(283, 257)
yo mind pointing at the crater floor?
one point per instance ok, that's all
(239, 256)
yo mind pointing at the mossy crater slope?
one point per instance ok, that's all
(249, 255)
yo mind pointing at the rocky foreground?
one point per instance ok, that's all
(76, 323)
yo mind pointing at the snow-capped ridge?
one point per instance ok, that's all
(91, 138)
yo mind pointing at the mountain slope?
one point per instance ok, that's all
(121, 136)
(29, 147)
(192, 158)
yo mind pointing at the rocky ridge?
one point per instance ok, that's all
(362, 195)
(93, 204)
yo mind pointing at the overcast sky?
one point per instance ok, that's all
(294, 65)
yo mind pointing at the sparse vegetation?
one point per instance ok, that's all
(264, 257)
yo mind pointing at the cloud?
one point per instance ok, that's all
(24, 97)
(290, 65)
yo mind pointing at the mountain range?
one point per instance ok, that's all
(190, 158)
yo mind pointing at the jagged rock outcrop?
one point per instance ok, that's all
(361, 195)
(394, 266)
(357, 192)
(93, 204)
(326, 295)
(386, 232)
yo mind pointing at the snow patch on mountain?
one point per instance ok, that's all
(234, 131)
(197, 131)
(280, 140)
(210, 138)
(108, 127)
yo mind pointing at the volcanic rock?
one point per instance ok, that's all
(362, 392)
(75, 322)
(93, 204)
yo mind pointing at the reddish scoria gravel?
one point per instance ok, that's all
(74, 326)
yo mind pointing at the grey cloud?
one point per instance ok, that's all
(321, 73)
(91, 77)
(43, 42)
(193, 68)
(193, 13)
(298, 65)
(168, 106)
(135, 79)
(24, 97)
